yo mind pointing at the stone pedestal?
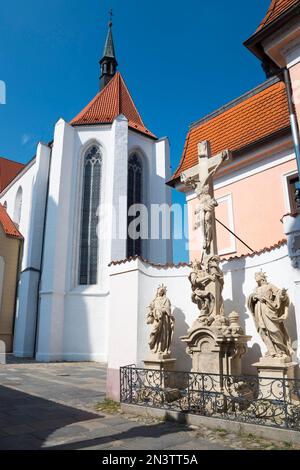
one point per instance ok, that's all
(273, 374)
(215, 350)
(162, 366)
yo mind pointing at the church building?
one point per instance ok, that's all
(70, 204)
(85, 284)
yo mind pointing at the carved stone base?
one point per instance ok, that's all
(215, 350)
(163, 364)
(271, 373)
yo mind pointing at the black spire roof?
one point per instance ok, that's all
(108, 63)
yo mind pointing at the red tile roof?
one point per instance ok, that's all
(256, 117)
(7, 224)
(109, 103)
(8, 171)
(276, 9)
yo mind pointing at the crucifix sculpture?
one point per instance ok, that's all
(200, 178)
(215, 342)
(207, 279)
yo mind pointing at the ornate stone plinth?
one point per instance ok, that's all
(163, 366)
(272, 374)
(215, 349)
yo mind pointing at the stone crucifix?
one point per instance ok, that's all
(200, 178)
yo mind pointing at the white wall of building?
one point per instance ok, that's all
(73, 319)
(32, 183)
(127, 312)
(24, 180)
(156, 158)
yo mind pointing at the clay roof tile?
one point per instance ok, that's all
(276, 9)
(7, 224)
(8, 171)
(252, 119)
(109, 103)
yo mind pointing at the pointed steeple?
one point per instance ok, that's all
(108, 63)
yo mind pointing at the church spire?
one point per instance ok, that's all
(108, 63)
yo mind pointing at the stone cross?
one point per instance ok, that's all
(200, 178)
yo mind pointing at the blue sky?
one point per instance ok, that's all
(180, 60)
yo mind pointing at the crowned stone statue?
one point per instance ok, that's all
(269, 307)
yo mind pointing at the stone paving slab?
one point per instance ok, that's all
(53, 406)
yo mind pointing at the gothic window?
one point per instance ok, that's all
(18, 207)
(88, 259)
(134, 196)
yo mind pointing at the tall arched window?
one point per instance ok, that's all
(134, 196)
(88, 259)
(18, 206)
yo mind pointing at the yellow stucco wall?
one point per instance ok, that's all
(9, 251)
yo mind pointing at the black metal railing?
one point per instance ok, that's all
(256, 400)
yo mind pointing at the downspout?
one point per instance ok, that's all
(295, 129)
(41, 262)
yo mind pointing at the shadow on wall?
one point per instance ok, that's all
(291, 326)
(238, 303)
(184, 362)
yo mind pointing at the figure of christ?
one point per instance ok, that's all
(207, 203)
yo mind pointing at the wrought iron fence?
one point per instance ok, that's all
(249, 399)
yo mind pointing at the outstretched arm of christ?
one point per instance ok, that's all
(223, 158)
(192, 182)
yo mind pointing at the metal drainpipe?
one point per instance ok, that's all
(295, 129)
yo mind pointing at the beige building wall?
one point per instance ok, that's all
(9, 251)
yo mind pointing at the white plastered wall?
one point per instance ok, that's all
(127, 312)
(33, 182)
(156, 165)
(73, 319)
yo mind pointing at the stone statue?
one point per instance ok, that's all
(160, 316)
(215, 343)
(207, 203)
(207, 283)
(269, 307)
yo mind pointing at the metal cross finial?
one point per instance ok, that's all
(110, 16)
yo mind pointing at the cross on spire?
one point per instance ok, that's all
(110, 17)
(108, 63)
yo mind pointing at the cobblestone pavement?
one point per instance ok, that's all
(53, 406)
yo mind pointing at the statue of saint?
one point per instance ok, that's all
(207, 283)
(269, 307)
(160, 316)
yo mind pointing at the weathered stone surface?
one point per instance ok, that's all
(269, 307)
